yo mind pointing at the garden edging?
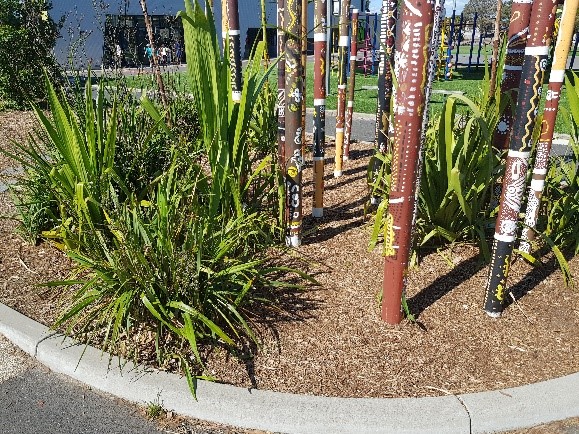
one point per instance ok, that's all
(284, 412)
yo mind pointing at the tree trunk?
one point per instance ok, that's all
(155, 59)
(495, 56)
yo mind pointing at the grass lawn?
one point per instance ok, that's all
(365, 99)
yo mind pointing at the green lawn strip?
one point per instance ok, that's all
(365, 99)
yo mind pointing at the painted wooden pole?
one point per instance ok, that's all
(304, 63)
(515, 55)
(472, 41)
(343, 43)
(458, 39)
(411, 60)
(281, 83)
(320, 46)
(387, 39)
(448, 69)
(562, 49)
(234, 35)
(536, 53)
(351, 84)
(293, 121)
(432, 66)
(495, 55)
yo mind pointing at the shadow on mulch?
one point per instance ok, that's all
(537, 274)
(443, 285)
(346, 211)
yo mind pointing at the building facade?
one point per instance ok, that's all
(92, 28)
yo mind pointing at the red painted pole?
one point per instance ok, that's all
(532, 74)
(341, 109)
(411, 59)
(517, 41)
(562, 49)
(351, 84)
(293, 121)
(320, 47)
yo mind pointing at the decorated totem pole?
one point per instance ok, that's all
(320, 47)
(293, 121)
(411, 58)
(281, 83)
(351, 84)
(516, 43)
(562, 48)
(341, 111)
(387, 38)
(541, 26)
(233, 34)
(304, 63)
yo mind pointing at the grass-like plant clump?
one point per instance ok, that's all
(169, 217)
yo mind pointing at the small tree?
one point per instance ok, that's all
(27, 38)
(487, 12)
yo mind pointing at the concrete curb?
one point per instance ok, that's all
(290, 413)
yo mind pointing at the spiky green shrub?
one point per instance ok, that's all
(179, 252)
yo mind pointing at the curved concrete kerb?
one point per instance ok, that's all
(289, 413)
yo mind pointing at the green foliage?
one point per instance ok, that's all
(459, 171)
(169, 228)
(560, 221)
(27, 37)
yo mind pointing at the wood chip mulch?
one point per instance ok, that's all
(331, 340)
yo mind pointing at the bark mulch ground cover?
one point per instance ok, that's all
(331, 340)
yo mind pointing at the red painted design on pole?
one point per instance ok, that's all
(562, 48)
(411, 58)
(515, 55)
(341, 111)
(351, 84)
(320, 46)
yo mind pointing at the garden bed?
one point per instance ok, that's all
(330, 339)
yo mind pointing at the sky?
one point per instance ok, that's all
(375, 4)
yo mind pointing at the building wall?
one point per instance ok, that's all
(82, 35)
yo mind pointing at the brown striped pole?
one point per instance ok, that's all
(387, 39)
(293, 121)
(351, 85)
(304, 63)
(281, 83)
(516, 43)
(341, 109)
(234, 35)
(514, 179)
(562, 48)
(411, 58)
(320, 46)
